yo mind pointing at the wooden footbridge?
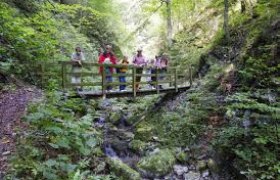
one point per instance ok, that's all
(93, 84)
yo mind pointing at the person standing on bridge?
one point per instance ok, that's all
(163, 67)
(107, 57)
(149, 71)
(77, 58)
(139, 61)
(122, 72)
(100, 51)
(155, 70)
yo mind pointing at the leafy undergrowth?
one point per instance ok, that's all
(250, 140)
(60, 143)
(181, 121)
(44, 32)
(243, 92)
(252, 135)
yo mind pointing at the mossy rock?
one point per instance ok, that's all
(157, 164)
(182, 157)
(97, 152)
(212, 165)
(122, 170)
(201, 165)
(117, 144)
(144, 133)
(130, 120)
(138, 146)
(127, 136)
(100, 167)
(115, 117)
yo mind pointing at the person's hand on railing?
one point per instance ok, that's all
(136, 65)
(158, 67)
(76, 61)
(163, 65)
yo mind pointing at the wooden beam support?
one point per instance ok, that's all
(134, 81)
(103, 82)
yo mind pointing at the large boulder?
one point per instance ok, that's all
(157, 164)
(138, 146)
(192, 175)
(201, 165)
(212, 165)
(122, 170)
(182, 157)
(144, 132)
(115, 117)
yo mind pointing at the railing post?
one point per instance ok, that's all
(157, 78)
(103, 81)
(63, 75)
(191, 79)
(134, 81)
(176, 80)
(81, 76)
(185, 79)
(42, 74)
(171, 78)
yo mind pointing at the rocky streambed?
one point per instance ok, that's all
(134, 153)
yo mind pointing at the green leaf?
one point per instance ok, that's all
(63, 142)
(50, 162)
(49, 175)
(91, 142)
(54, 145)
(54, 129)
(260, 140)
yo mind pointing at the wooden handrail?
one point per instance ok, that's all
(176, 83)
(129, 66)
(91, 78)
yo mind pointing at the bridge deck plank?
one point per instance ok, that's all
(93, 95)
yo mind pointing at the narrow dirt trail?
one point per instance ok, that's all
(13, 105)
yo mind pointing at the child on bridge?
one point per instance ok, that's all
(123, 70)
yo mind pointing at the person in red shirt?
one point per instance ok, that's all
(107, 57)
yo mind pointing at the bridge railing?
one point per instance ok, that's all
(92, 79)
(38, 73)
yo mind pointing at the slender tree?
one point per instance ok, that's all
(243, 6)
(169, 22)
(226, 18)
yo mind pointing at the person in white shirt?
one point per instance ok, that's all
(77, 58)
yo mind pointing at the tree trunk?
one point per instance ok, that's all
(250, 7)
(226, 18)
(243, 6)
(3, 78)
(169, 23)
(68, 2)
